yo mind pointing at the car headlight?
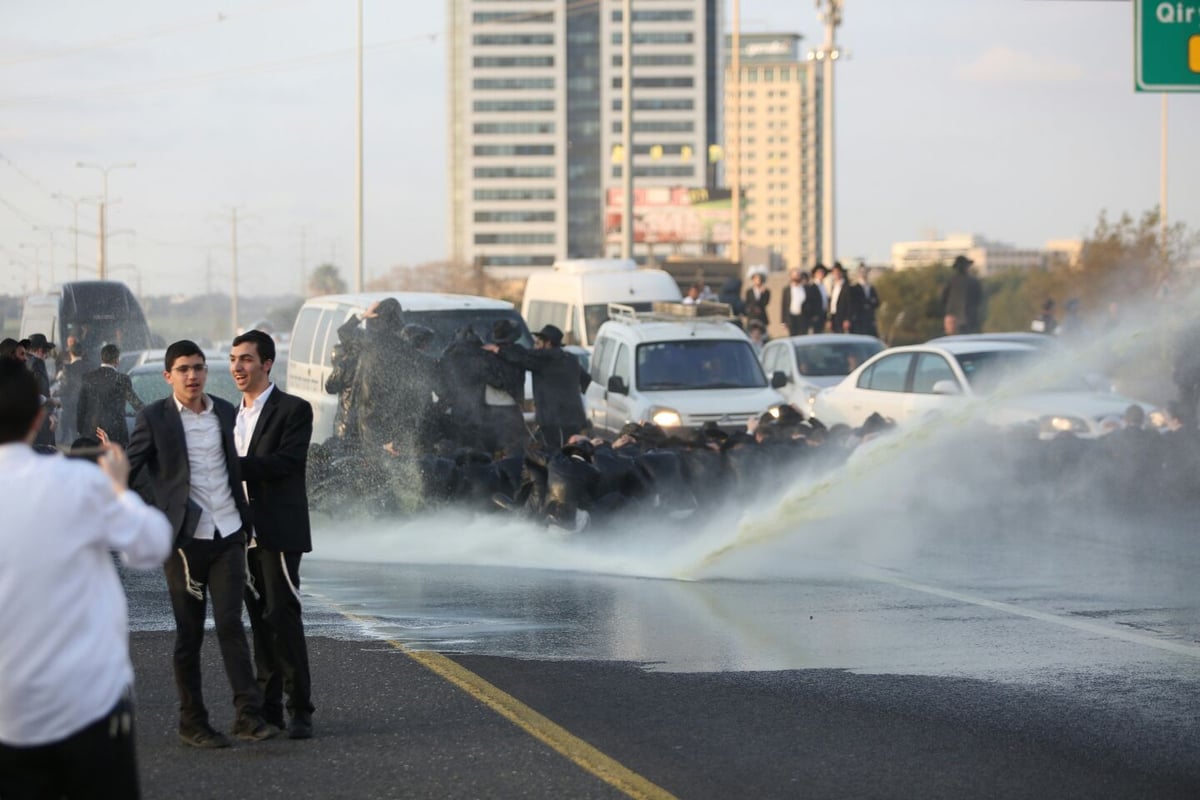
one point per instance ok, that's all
(665, 417)
(1052, 425)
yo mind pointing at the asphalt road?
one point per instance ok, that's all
(1013, 663)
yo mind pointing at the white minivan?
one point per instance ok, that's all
(677, 368)
(314, 335)
(574, 295)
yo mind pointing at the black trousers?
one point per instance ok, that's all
(280, 652)
(220, 566)
(98, 761)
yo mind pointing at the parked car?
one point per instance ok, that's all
(150, 385)
(907, 383)
(801, 366)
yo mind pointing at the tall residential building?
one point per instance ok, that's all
(535, 118)
(780, 155)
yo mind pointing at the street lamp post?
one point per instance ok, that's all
(829, 12)
(50, 236)
(36, 247)
(75, 201)
(104, 170)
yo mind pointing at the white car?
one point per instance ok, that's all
(801, 366)
(1011, 383)
(676, 368)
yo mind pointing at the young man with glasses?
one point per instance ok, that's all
(183, 460)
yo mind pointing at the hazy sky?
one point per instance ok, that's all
(1015, 119)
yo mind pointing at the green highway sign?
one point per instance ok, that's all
(1166, 45)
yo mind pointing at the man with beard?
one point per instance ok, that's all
(558, 381)
(503, 424)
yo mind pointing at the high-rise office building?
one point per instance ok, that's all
(780, 147)
(535, 120)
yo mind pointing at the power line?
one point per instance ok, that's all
(149, 33)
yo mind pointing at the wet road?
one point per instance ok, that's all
(824, 657)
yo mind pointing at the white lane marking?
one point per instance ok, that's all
(1178, 648)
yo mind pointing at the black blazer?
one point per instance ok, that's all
(158, 463)
(274, 471)
(102, 396)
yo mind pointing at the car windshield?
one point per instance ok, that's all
(989, 370)
(150, 386)
(833, 358)
(698, 364)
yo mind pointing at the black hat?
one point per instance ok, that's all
(38, 342)
(551, 334)
(504, 332)
(962, 262)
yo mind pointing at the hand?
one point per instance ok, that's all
(492, 348)
(102, 435)
(115, 464)
(371, 312)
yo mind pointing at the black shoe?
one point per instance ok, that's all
(205, 738)
(254, 729)
(300, 727)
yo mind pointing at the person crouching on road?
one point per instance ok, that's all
(66, 717)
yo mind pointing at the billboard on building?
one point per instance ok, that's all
(672, 215)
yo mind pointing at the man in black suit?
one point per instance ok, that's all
(845, 301)
(102, 398)
(272, 435)
(182, 460)
(36, 352)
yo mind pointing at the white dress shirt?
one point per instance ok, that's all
(243, 430)
(797, 299)
(209, 474)
(64, 641)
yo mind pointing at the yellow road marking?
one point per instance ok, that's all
(539, 727)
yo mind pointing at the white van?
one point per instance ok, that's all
(677, 367)
(574, 295)
(314, 335)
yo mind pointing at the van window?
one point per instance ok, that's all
(336, 316)
(621, 366)
(303, 334)
(600, 367)
(547, 312)
(319, 350)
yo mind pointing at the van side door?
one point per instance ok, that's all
(620, 407)
(596, 395)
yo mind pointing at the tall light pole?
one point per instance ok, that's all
(627, 129)
(75, 201)
(829, 12)
(49, 235)
(103, 248)
(358, 175)
(37, 262)
(735, 137)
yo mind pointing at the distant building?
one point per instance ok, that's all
(780, 130)
(989, 256)
(535, 121)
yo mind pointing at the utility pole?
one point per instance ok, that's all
(627, 128)
(735, 138)
(303, 261)
(233, 294)
(358, 178)
(102, 257)
(75, 201)
(829, 12)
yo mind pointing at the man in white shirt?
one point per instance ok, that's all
(66, 719)
(183, 460)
